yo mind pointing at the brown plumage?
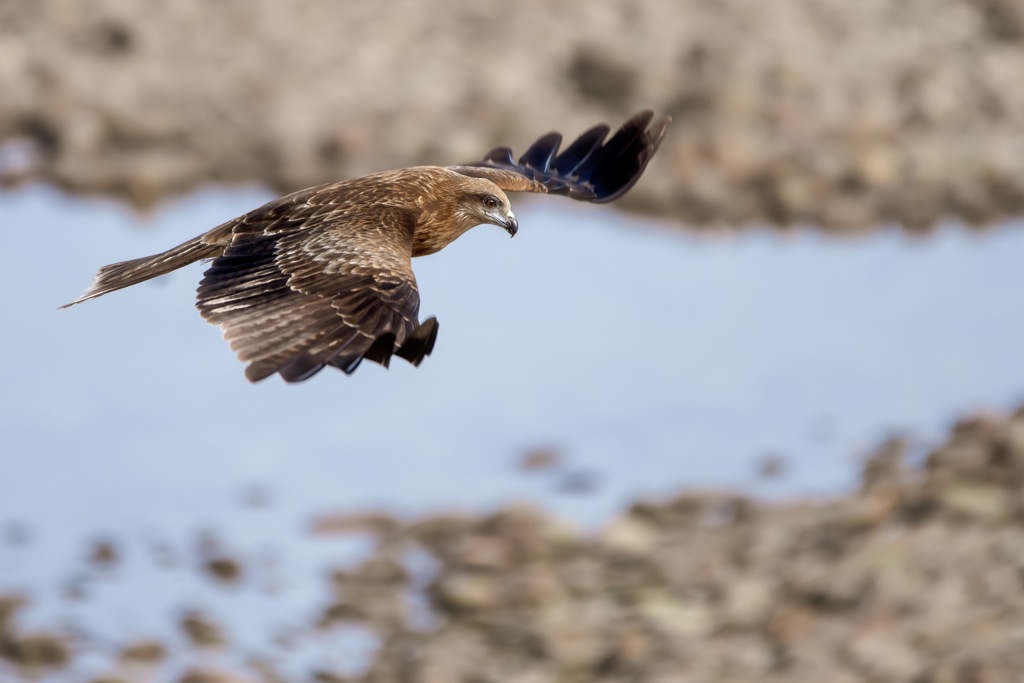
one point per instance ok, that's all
(323, 276)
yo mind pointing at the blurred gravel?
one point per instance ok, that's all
(918, 577)
(844, 115)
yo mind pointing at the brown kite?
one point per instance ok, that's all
(323, 276)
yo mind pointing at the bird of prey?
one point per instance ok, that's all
(323, 276)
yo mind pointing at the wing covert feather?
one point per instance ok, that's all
(293, 298)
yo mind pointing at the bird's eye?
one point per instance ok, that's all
(490, 202)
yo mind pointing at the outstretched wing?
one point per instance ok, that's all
(296, 295)
(590, 169)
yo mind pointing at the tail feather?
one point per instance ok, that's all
(127, 273)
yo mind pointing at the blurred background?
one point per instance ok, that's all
(754, 422)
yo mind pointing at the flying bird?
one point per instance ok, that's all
(323, 276)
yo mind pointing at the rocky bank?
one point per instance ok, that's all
(918, 577)
(838, 114)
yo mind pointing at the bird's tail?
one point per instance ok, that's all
(127, 273)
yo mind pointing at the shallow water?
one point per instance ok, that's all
(650, 359)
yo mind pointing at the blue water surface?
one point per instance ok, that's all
(650, 358)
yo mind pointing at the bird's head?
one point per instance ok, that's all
(484, 202)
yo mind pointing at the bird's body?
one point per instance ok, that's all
(323, 276)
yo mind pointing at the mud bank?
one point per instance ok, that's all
(844, 115)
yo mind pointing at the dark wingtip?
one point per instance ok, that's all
(346, 364)
(303, 366)
(639, 119)
(620, 162)
(590, 169)
(420, 343)
(300, 368)
(576, 154)
(541, 152)
(257, 372)
(381, 350)
(657, 132)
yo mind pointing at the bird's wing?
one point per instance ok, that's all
(590, 169)
(320, 287)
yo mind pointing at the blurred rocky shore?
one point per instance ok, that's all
(917, 577)
(844, 115)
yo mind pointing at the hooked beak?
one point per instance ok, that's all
(510, 224)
